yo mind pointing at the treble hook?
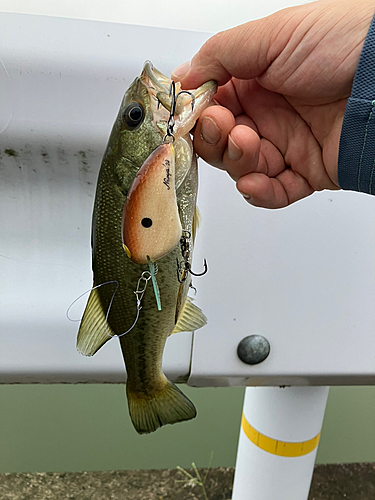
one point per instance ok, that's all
(182, 272)
(174, 97)
(179, 273)
(184, 267)
(202, 273)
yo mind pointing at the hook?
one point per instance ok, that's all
(181, 277)
(184, 267)
(202, 273)
(171, 120)
(183, 271)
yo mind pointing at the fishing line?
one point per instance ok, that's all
(139, 293)
(84, 293)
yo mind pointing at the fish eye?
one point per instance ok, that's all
(133, 114)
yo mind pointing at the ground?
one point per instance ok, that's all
(330, 482)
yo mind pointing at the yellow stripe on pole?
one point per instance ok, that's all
(281, 448)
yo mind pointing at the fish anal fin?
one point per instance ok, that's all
(93, 331)
(190, 318)
(167, 406)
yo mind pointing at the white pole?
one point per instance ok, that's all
(279, 436)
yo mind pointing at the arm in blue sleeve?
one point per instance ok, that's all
(356, 164)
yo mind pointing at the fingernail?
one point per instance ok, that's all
(181, 71)
(210, 132)
(246, 196)
(234, 152)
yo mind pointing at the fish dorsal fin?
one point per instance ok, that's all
(93, 331)
(151, 224)
(191, 318)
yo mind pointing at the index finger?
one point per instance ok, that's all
(242, 52)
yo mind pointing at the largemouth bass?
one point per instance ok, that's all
(120, 300)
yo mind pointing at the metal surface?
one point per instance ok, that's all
(253, 349)
(303, 277)
(61, 83)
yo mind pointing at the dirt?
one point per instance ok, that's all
(343, 481)
(330, 482)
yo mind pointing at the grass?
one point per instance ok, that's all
(197, 480)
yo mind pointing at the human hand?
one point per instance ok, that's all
(283, 85)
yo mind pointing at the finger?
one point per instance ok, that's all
(242, 153)
(226, 96)
(211, 134)
(243, 52)
(258, 155)
(233, 149)
(247, 121)
(279, 123)
(238, 150)
(277, 192)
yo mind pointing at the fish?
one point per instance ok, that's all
(137, 235)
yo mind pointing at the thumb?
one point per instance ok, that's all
(243, 52)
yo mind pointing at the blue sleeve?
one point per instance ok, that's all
(356, 165)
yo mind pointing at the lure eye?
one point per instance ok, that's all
(133, 114)
(146, 222)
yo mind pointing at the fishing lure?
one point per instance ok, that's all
(151, 226)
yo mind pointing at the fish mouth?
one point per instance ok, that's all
(154, 79)
(188, 105)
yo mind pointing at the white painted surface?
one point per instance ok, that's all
(63, 83)
(292, 414)
(304, 277)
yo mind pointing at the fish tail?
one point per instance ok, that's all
(167, 406)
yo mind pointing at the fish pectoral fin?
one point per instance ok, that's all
(191, 318)
(196, 222)
(93, 331)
